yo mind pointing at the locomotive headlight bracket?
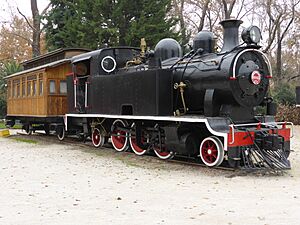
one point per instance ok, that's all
(251, 35)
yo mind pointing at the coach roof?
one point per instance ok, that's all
(49, 65)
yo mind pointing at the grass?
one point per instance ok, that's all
(25, 140)
(17, 126)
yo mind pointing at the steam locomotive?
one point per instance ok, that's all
(199, 105)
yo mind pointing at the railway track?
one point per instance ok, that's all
(177, 160)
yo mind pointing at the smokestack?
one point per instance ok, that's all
(230, 33)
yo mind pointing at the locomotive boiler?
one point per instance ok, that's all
(199, 105)
(229, 83)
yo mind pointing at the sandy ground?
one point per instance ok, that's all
(51, 182)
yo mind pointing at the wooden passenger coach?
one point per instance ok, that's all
(37, 96)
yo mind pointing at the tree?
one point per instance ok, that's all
(227, 7)
(6, 69)
(178, 11)
(277, 19)
(78, 24)
(93, 23)
(150, 22)
(15, 41)
(35, 25)
(201, 7)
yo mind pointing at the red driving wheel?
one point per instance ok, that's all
(119, 138)
(212, 151)
(97, 138)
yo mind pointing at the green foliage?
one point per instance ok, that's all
(151, 24)
(284, 94)
(93, 23)
(6, 69)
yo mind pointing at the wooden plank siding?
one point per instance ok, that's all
(33, 98)
(57, 103)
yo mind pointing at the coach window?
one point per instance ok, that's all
(9, 89)
(34, 87)
(63, 87)
(13, 89)
(52, 88)
(41, 88)
(23, 87)
(28, 87)
(18, 89)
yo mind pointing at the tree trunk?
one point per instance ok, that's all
(205, 7)
(36, 34)
(278, 55)
(228, 7)
(183, 31)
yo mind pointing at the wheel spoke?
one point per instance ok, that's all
(119, 137)
(97, 138)
(211, 151)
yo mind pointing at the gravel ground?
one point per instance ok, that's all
(51, 182)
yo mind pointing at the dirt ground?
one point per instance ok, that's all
(49, 182)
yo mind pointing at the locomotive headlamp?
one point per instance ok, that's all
(251, 35)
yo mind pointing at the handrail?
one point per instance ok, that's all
(248, 50)
(232, 126)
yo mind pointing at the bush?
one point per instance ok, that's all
(289, 113)
(284, 94)
(2, 107)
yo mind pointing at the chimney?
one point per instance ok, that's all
(230, 34)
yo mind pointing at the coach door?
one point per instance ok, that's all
(81, 86)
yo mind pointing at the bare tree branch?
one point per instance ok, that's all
(27, 21)
(45, 9)
(293, 77)
(20, 36)
(225, 9)
(241, 8)
(286, 28)
(193, 22)
(273, 31)
(231, 7)
(202, 18)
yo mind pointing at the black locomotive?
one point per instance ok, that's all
(198, 104)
